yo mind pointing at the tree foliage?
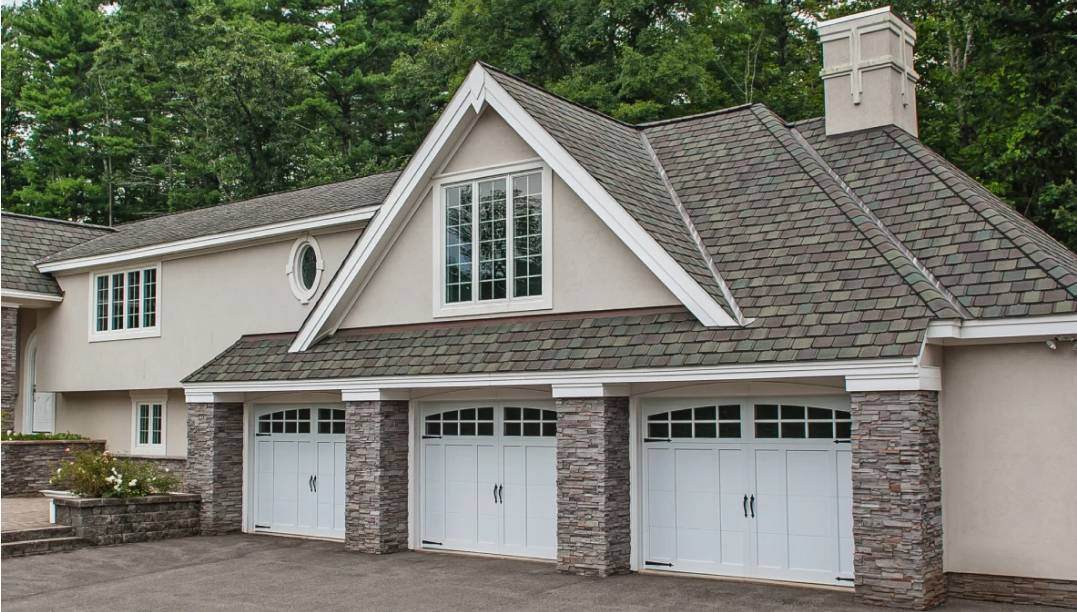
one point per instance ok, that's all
(161, 105)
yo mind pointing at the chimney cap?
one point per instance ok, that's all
(882, 10)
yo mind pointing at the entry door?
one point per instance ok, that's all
(737, 489)
(299, 457)
(489, 479)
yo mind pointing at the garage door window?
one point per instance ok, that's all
(330, 421)
(530, 422)
(285, 421)
(466, 422)
(795, 421)
(702, 422)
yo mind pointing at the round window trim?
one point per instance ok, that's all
(302, 247)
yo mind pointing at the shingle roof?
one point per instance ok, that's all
(26, 239)
(244, 214)
(994, 261)
(652, 338)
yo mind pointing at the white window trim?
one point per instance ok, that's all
(300, 292)
(123, 334)
(150, 448)
(509, 303)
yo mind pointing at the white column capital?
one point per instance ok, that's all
(373, 394)
(196, 396)
(923, 378)
(589, 389)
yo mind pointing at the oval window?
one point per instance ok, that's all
(308, 266)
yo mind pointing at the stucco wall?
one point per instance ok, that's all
(109, 415)
(592, 269)
(206, 302)
(1009, 426)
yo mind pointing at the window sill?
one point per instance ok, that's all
(492, 307)
(153, 332)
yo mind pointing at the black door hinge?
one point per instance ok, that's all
(845, 579)
(262, 434)
(263, 526)
(657, 564)
(431, 542)
(431, 437)
(843, 441)
(658, 439)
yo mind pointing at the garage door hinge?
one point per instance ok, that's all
(657, 439)
(843, 441)
(263, 434)
(256, 526)
(658, 563)
(431, 542)
(431, 437)
(845, 579)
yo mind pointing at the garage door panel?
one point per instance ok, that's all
(844, 477)
(812, 516)
(812, 553)
(434, 492)
(771, 550)
(285, 483)
(263, 505)
(698, 545)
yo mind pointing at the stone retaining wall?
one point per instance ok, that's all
(103, 521)
(175, 465)
(28, 464)
(9, 367)
(1013, 589)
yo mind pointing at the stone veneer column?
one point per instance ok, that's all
(376, 476)
(215, 464)
(593, 530)
(897, 499)
(9, 367)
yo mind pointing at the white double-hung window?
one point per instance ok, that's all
(493, 253)
(125, 303)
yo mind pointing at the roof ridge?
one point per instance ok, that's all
(692, 231)
(254, 197)
(988, 211)
(8, 213)
(876, 232)
(556, 95)
(704, 114)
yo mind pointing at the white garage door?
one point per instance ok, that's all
(489, 481)
(298, 484)
(759, 489)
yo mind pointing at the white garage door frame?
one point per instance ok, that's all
(768, 450)
(251, 476)
(498, 446)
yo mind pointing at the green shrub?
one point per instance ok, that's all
(94, 474)
(11, 435)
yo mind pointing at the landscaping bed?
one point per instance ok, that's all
(29, 464)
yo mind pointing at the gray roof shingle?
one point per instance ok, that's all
(27, 239)
(244, 214)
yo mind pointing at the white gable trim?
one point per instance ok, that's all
(480, 89)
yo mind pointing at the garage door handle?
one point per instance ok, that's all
(501, 492)
(495, 493)
(310, 483)
(315, 483)
(745, 506)
(751, 504)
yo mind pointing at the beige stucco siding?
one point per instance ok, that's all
(1009, 447)
(109, 415)
(592, 268)
(206, 302)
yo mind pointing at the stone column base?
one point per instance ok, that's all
(376, 477)
(215, 464)
(593, 530)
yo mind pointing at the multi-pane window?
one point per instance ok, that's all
(530, 422)
(799, 421)
(294, 420)
(493, 239)
(149, 424)
(125, 300)
(330, 421)
(702, 422)
(464, 422)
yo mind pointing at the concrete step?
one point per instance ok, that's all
(37, 533)
(44, 546)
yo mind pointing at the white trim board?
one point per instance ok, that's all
(1013, 329)
(480, 90)
(30, 296)
(213, 240)
(877, 374)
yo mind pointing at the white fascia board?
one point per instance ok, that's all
(195, 396)
(589, 389)
(213, 240)
(479, 89)
(29, 296)
(866, 368)
(985, 330)
(373, 394)
(922, 378)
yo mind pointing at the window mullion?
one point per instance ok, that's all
(475, 242)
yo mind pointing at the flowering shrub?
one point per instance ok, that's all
(93, 474)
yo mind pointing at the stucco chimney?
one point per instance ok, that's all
(868, 75)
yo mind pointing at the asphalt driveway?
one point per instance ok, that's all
(267, 573)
